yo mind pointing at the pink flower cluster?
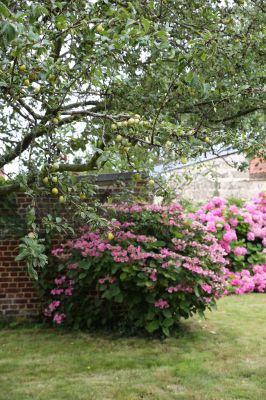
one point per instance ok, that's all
(72, 266)
(240, 251)
(247, 281)
(179, 288)
(235, 227)
(206, 288)
(64, 287)
(106, 279)
(161, 304)
(139, 208)
(59, 318)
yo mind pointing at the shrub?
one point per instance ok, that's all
(146, 269)
(240, 231)
(246, 281)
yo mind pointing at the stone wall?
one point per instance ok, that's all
(219, 177)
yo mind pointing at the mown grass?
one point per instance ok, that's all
(220, 358)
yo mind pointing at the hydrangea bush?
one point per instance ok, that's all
(241, 231)
(150, 266)
(246, 281)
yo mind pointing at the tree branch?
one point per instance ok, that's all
(16, 187)
(29, 109)
(23, 144)
(237, 115)
(80, 104)
(75, 115)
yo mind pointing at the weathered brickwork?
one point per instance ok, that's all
(17, 295)
(257, 169)
(18, 298)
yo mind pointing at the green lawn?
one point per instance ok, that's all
(221, 358)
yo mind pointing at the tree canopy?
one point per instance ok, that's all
(119, 85)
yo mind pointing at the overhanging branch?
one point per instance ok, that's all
(23, 144)
(16, 187)
(75, 115)
(239, 114)
(80, 104)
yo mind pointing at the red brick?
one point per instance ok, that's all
(257, 169)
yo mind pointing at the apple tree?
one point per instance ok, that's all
(102, 85)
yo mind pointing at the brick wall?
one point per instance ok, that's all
(257, 169)
(18, 299)
(17, 295)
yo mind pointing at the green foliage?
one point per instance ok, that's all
(56, 225)
(235, 201)
(32, 250)
(11, 223)
(151, 81)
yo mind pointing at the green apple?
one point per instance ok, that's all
(137, 177)
(183, 160)
(22, 68)
(62, 199)
(131, 121)
(32, 235)
(119, 138)
(125, 142)
(110, 236)
(99, 28)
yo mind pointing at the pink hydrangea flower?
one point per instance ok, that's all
(69, 291)
(55, 304)
(240, 251)
(153, 276)
(234, 209)
(250, 236)
(161, 304)
(73, 266)
(58, 318)
(56, 291)
(207, 288)
(229, 236)
(60, 280)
